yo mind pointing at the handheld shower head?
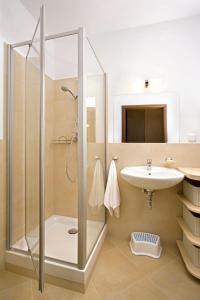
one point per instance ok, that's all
(66, 89)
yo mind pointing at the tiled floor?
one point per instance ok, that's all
(118, 276)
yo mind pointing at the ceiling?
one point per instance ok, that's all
(99, 16)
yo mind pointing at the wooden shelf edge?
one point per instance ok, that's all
(191, 237)
(191, 173)
(189, 266)
(188, 204)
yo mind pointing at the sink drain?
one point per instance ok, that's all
(73, 231)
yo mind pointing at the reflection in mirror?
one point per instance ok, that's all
(144, 124)
(91, 119)
(146, 118)
(91, 128)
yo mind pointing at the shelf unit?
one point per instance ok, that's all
(189, 266)
(194, 240)
(191, 173)
(191, 237)
(188, 204)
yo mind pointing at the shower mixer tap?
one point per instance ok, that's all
(75, 136)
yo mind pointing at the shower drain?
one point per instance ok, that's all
(73, 231)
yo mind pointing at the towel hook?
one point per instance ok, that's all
(115, 158)
(97, 157)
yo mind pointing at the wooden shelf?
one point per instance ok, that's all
(189, 266)
(191, 237)
(188, 204)
(191, 173)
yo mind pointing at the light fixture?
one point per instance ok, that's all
(146, 83)
(151, 85)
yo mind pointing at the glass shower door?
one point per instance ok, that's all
(96, 146)
(34, 150)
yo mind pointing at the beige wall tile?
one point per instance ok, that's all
(65, 117)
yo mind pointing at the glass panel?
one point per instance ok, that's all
(61, 191)
(61, 159)
(96, 103)
(32, 148)
(18, 148)
(33, 152)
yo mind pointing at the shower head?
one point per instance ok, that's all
(66, 89)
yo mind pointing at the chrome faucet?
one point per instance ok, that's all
(149, 164)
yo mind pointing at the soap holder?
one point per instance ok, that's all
(143, 243)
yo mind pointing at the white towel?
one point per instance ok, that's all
(97, 191)
(112, 194)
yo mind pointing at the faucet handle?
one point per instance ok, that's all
(149, 161)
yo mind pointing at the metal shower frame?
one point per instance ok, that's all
(82, 144)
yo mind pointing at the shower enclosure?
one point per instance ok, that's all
(56, 136)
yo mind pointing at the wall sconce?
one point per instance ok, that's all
(141, 85)
(146, 84)
(153, 85)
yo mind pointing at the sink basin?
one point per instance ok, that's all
(157, 179)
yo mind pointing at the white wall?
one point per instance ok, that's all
(16, 25)
(169, 51)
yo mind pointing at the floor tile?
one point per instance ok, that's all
(175, 282)
(52, 292)
(148, 264)
(141, 290)
(10, 280)
(91, 294)
(108, 244)
(17, 292)
(118, 275)
(114, 273)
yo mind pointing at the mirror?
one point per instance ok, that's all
(137, 120)
(144, 124)
(91, 124)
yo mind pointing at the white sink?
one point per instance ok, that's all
(157, 179)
